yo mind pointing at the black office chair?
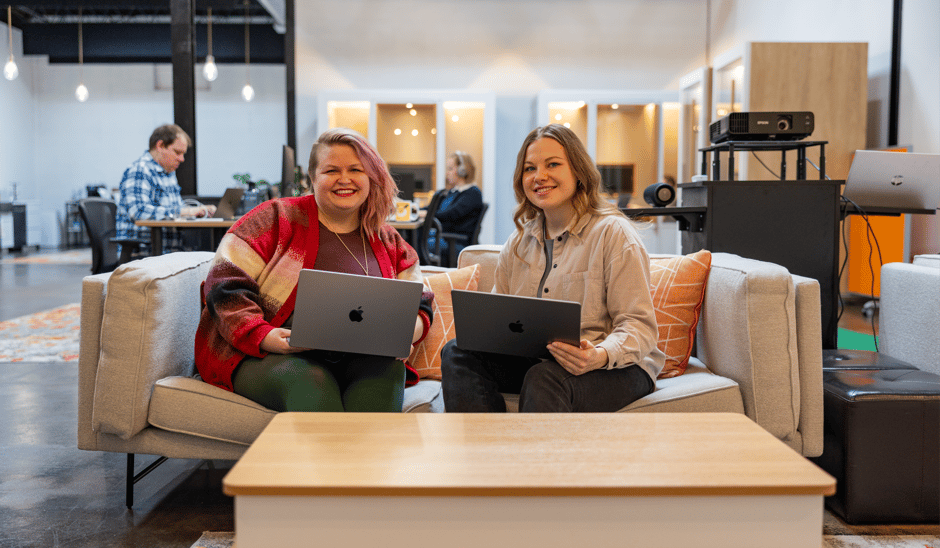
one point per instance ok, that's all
(99, 217)
(454, 239)
(430, 254)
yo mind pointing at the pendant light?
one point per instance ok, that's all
(248, 92)
(210, 70)
(81, 92)
(9, 70)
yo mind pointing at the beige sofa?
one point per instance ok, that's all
(909, 312)
(758, 352)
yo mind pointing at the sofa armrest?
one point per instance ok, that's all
(94, 289)
(809, 347)
(747, 332)
(909, 314)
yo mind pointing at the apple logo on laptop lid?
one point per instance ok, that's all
(356, 315)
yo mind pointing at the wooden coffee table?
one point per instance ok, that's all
(625, 479)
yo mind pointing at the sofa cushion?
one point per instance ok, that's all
(678, 287)
(139, 343)
(191, 406)
(699, 390)
(426, 357)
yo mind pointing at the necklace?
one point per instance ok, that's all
(365, 254)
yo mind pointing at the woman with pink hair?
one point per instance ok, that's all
(242, 343)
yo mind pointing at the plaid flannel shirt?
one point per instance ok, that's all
(147, 191)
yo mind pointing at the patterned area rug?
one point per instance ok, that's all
(50, 336)
(78, 256)
(216, 540)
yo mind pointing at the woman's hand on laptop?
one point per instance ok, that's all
(277, 342)
(578, 360)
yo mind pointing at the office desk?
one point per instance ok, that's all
(156, 234)
(218, 226)
(411, 229)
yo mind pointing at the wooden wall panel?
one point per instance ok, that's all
(829, 79)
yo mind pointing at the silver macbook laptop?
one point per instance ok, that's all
(901, 180)
(229, 204)
(360, 314)
(508, 324)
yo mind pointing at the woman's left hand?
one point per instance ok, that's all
(578, 360)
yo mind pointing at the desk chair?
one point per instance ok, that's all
(430, 254)
(454, 239)
(99, 217)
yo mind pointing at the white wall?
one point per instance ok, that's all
(16, 120)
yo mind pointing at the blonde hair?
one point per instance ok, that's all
(382, 188)
(587, 199)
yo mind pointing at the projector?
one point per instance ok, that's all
(762, 126)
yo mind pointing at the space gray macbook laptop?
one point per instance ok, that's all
(350, 313)
(508, 324)
(229, 204)
(902, 180)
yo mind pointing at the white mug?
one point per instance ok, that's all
(405, 211)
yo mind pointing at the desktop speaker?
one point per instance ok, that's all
(659, 194)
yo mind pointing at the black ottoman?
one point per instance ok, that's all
(882, 436)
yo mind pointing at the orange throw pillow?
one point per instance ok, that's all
(678, 288)
(426, 357)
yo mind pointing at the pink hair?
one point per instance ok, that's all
(382, 188)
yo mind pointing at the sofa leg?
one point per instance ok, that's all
(132, 479)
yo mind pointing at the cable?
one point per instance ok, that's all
(870, 234)
(828, 178)
(754, 154)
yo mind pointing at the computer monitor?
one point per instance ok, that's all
(288, 166)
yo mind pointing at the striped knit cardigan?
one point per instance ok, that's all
(252, 285)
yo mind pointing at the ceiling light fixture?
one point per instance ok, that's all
(10, 71)
(81, 92)
(248, 92)
(210, 70)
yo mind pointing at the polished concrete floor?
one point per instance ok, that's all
(55, 495)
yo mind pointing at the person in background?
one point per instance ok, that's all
(149, 189)
(243, 338)
(461, 200)
(569, 244)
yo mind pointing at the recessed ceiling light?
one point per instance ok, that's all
(414, 132)
(397, 131)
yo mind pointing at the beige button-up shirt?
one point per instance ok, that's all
(602, 264)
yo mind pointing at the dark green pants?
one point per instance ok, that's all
(322, 381)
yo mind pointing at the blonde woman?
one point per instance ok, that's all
(569, 244)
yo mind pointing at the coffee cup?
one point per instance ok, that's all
(405, 211)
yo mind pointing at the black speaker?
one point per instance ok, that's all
(659, 194)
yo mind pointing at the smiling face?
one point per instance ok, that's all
(547, 178)
(170, 156)
(340, 184)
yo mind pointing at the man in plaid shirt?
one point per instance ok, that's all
(149, 189)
